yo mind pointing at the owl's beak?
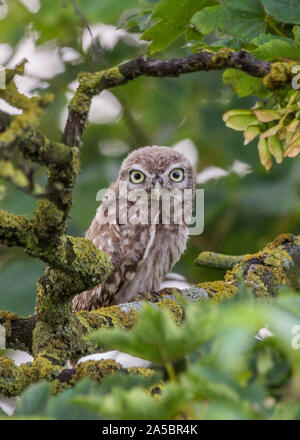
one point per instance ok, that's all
(157, 190)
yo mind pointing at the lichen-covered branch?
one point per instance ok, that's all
(19, 178)
(33, 108)
(213, 260)
(276, 265)
(74, 263)
(275, 75)
(73, 255)
(15, 379)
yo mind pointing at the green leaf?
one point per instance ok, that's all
(231, 347)
(171, 21)
(296, 32)
(244, 84)
(239, 18)
(204, 382)
(276, 48)
(137, 19)
(267, 38)
(156, 337)
(210, 18)
(222, 411)
(61, 407)
(287, 411)
(128, 382)
(233, 43)
(287, 11)
(136, 404)
(34, 400)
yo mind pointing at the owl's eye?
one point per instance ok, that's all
(177, 175)
(137, 176)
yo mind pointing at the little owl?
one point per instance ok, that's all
(144, 247)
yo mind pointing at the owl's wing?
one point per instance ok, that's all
(127, 245)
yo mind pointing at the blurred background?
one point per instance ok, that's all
(245, 207)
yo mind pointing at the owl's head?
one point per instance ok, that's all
(148, 167)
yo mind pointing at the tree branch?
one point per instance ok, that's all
(15, 379)
(275, 75)
(276, 265)
(75, 256)
(213, 260)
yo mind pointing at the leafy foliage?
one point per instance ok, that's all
(244, 84)
(287, 11)
(278, 127)
(156, 337)
(169, 26)
(228, 373)
(258, 26)
(241, 18)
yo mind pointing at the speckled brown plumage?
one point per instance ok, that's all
(142, 254)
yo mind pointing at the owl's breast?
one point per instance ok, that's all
(163, 249)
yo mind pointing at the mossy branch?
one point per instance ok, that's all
(276, 265)
(75, 256)
(20, 178)
(213, 260)
(32, 108)
(15, 379)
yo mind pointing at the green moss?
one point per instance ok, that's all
(114, 316)
(33, 109)
(38, 148)
(47, 220)
(5, 320)
(95, 369)
(74, 255)
(264, 271)
(91, 84)
(147, 372)
(14, 379)
(217, 261)
(173, 307)
(219, 59)
(14, 229)
(114, 75)
(218, 290)
(279, 76)
(16, 176)
(61, 340)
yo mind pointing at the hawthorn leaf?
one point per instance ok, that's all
(287, 11)
(171, 19)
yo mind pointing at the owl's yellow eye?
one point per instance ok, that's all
(137, 176)
(177, 175)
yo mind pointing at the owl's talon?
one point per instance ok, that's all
(156, 295)
(153, 296)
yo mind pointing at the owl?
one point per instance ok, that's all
(131, 226)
